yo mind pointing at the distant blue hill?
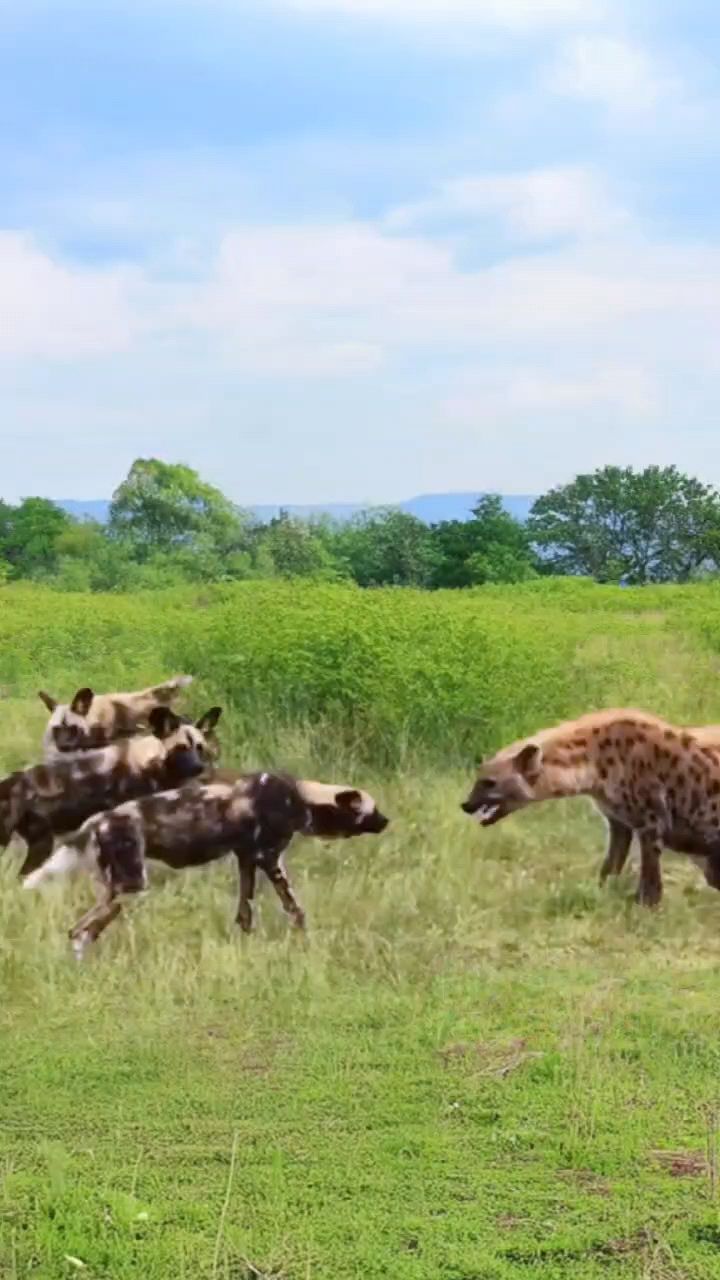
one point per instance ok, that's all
(432, 508)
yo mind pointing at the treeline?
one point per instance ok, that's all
(167, 526)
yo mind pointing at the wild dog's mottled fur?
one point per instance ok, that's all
(648, 777)
(93, 720)
(254, 816)
(53, 799)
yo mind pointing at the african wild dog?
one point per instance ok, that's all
(93, 720)
(48, 800)
(648, 778)
(254, 816)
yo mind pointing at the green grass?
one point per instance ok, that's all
(478, 1066)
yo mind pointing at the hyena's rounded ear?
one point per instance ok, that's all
(163, 722)
(208, 722)
(82, 702)
(47, 700)
(528, 761)
(349, 800)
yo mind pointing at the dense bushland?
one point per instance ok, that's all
(384, 674)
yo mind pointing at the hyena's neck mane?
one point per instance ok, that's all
(568, 769)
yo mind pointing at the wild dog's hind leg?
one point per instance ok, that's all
(275, 871)
(248, 870)
(618, 849)
(39, 839)
(92, 924)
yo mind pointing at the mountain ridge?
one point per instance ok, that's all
(431, 508)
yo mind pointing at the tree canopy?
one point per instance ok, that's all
(655, 525)
(168, 526)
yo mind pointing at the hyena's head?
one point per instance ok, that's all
(120, 852)
(337, 813)
(68, 730)
(505, 784)
(190, 749)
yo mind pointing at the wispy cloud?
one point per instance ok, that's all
(501, 13)
(622, 77)
(538, 205)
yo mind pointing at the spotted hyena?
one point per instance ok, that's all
(91, 720)
(53, 799)
(648, 778)
(254, 816)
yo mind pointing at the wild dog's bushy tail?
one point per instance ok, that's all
(169, 690)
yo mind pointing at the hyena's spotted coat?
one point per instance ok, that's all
(648, 777)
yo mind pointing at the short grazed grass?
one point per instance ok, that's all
(477, 1066)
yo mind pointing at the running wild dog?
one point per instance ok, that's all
(53, 799)
(95, 720)
(649, 779)
(254, 816)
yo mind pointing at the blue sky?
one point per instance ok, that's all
(357, 249)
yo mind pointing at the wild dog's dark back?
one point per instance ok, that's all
(61, 795)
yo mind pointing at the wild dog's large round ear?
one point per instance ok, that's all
(207, 722)
(163, 722)
(82, 702)
(47, 700)
(348, 800)
(528, 761)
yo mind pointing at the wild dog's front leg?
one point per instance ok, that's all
(92, 924)
(650, 889)
(275, 871)
(248, 871)
(618, 849)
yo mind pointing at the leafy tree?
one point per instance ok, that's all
(161, 506)
(656, 525)
(29, 534)
(386, 547)
(491, 547)
(297, 548)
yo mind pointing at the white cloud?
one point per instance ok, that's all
(617, 389)
(534, 206)
(502, 13)
(621, 77)
(47, 309)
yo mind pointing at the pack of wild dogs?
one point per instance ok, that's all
(126, 779)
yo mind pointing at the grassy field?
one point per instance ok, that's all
(478, 1066)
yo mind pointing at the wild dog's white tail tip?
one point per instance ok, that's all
(62, 861)
(181, 682)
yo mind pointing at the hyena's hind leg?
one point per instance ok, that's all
(620, 840)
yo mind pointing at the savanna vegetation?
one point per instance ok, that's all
(478, 1066)
(167, 527)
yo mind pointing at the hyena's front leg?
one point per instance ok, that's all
(92, 924)
(248, 871)
(650, 889)
(618, 849)
(273, 867)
